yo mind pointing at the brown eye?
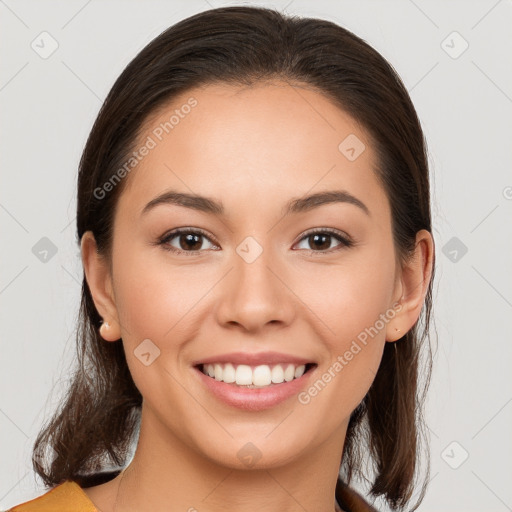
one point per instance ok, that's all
(188, 241)
(321, 240)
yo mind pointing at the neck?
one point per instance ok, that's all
(167, 473)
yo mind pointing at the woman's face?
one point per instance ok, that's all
(252, 280)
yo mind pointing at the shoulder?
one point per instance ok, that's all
(65, 497)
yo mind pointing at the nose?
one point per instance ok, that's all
(255, 294)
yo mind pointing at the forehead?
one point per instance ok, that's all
(252, 143)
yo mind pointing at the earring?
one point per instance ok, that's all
(104, 325)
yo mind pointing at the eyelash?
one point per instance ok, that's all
(346, 242)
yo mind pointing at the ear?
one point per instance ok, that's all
(99, 279)
(412, 287)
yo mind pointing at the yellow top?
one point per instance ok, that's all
(70, 497)
(65, 497)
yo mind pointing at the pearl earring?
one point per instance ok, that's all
(104, 326)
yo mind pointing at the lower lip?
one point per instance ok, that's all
(254, 399)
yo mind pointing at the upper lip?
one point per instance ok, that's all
(255, 358)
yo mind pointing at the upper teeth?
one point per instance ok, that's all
(261, 375)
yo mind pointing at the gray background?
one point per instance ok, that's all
(464, 100)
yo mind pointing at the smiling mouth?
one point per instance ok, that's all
(255, 376)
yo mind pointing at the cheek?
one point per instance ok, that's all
(153, 299)
(353, 302)
(156, 302)
(349, 297)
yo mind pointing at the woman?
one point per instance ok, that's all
(254, 221)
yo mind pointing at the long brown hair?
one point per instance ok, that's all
(96, 422)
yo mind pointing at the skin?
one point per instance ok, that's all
(252, 148)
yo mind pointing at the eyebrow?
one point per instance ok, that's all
(295, 205)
